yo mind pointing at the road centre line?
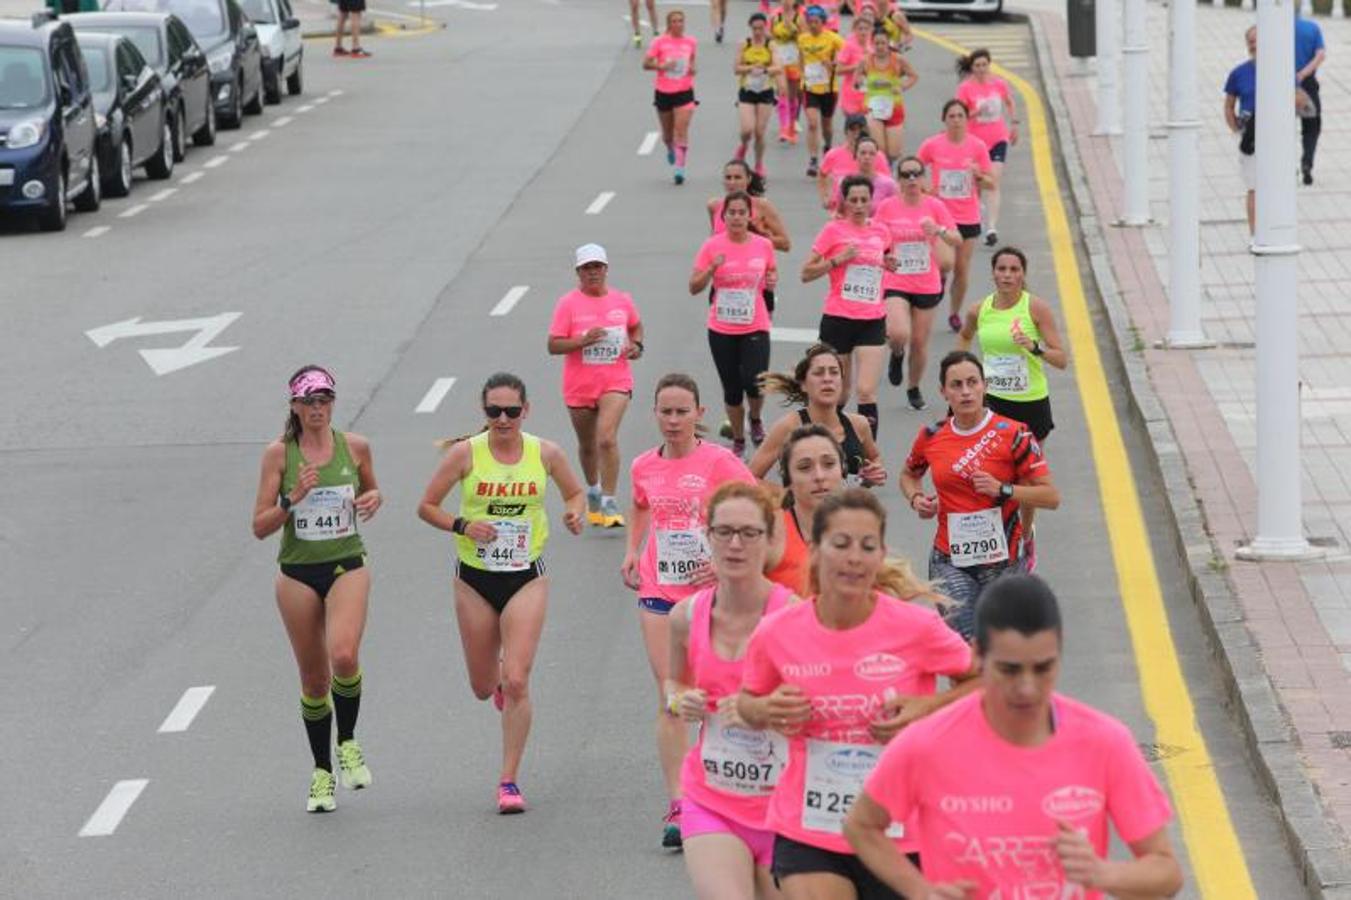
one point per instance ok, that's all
(794, 335)
(602, 200)
(282, 122)
(259, 134)
(1213, 849)
(191, 177)
(134, 211)
(649, 143)
(509, 300)
(163, 195)
(186, 709)
(97, 231)
(109, 815)
(215, 161)
(435, 394)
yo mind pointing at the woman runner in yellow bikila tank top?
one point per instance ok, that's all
(1018, 336)
(315, 483)
(500, 589)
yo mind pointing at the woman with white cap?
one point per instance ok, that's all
(316, 482)
(597, 331)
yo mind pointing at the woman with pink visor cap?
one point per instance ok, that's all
(839, 677)
(316, 482)
(731, 770)
(597, 332)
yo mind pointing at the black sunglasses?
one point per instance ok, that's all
(318, 399)
(910, 174)
(493, 412)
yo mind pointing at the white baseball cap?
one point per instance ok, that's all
(589, 253)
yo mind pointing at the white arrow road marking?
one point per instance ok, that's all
(109, 815)
(186, 709)
(794, 335)
(509, 300)
(170, 359)
(435, 394)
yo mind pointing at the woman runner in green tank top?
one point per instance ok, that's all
(501, 592)
(1018, 336)
(316, 483)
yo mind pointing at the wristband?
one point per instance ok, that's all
(1037, 349)
(459, 525)
(673, 704)
(285, 503)
(639, 345)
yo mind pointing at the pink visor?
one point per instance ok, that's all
(311, 381)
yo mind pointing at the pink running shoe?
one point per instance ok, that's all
(509, 799)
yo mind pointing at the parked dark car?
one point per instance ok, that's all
(133, 121)
(232, 52)
(47, 131)
(174, 54)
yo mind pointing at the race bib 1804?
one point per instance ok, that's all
(680, 553)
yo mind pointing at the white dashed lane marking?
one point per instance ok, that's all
(114, 807)
(435, 394)
(602, 200)
(509, 300)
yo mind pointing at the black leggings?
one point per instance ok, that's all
(740, 359)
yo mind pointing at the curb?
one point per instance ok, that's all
(1320, 855)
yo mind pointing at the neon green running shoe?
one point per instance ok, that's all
(355, 774)
(321, 792)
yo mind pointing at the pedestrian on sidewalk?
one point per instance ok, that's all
(1240, 102)
(350, 11)
(1310, 52)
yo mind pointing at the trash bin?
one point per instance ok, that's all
(1080, 15)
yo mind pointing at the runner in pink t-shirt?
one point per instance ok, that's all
(840, 676)
(731, 771)
(667, 555)
(597, 332)
(765, 218)
(1010, 791)
(847, 61)
(839, 162)
(989, 100)
(871, 164)
(923, 237)
(740, 267)
(960, 166)
(854, 252)
(672, 57)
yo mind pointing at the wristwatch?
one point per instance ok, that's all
(1006, 492)
(285, 503)
(459, 525)
(1037, 349)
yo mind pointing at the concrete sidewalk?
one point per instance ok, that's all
(1282, 630)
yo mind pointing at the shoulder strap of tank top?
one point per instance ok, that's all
(850, 435)
(805, 416)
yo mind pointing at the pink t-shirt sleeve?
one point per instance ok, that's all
(982, 154)
(733, 469)
(942, 651)
(825, 240)
(632, 310)
(759, 675)
(704, 257)
(942, 215)
(889, 784)
(925, 154)
(636, 479)
(561, 326)
(1136, 803)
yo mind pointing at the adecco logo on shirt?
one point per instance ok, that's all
(853, 762)
(1072, 802)
(880, 667)
(691, 482)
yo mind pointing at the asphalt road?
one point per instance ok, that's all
(374, 232)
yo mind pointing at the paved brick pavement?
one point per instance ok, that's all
(1294, 620)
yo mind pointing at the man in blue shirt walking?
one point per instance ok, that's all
(1310, 51)
(1240, 102)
